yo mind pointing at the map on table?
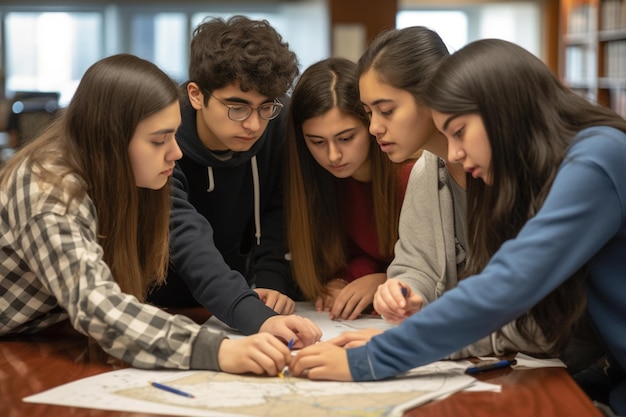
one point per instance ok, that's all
(219, 394)
(281, 397)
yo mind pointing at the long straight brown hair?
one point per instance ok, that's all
(90, 139)
(316, 234)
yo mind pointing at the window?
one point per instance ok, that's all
(50, 51)
(162, 39)
(48, 48)
(518, 22)
(450, 25)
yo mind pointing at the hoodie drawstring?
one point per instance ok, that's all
(257, 200)
(257, 196)
(211, 180)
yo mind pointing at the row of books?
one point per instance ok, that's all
(580, 67)
(580, 62)
(612, 14)
(581, 19)
(615, 59)
(618, 101)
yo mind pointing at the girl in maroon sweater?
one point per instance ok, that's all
(343, 195)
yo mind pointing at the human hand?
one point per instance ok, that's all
(321, 361)
(394, 306)
(356, 297)
(354, 339)
(260, 353)
(276, 300)
(333, 287)
(302, 330)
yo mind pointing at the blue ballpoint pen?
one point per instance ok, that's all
(281, 374)
(504, 363)
(171, 389)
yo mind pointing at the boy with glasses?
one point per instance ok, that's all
(227, 218)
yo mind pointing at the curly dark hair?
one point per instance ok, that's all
(249, 52)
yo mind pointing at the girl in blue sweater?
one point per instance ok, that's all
(553, 190)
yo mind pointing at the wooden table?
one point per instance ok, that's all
(37, 363)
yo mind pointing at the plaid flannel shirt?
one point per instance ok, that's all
(51, 268)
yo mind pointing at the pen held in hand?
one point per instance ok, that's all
(505, 363)
(282, 373)
(171, 389)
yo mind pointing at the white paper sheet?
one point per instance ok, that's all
(330, 328)
(526, 361)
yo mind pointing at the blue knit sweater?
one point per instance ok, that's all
(582, 221)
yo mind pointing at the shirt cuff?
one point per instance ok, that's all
(205, 349)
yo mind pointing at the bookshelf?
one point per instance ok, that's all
(593, 50)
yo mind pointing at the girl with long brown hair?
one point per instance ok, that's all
(343, 195)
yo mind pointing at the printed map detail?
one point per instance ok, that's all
(286, 397)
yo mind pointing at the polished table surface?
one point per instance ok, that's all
(29, 365)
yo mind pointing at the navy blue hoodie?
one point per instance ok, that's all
(215, 254)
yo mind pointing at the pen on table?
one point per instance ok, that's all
(290, 346)
(171, 389)
(504, 363)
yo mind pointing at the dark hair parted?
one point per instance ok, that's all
(404, 58)
(90, 139)
(244, 51)
(530, 118)
(316, 234)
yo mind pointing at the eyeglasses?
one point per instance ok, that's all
(240, 112)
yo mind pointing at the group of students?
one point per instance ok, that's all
(470, 198)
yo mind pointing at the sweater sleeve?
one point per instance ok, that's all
(426, 234)
(197, 261)
(585, 200)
